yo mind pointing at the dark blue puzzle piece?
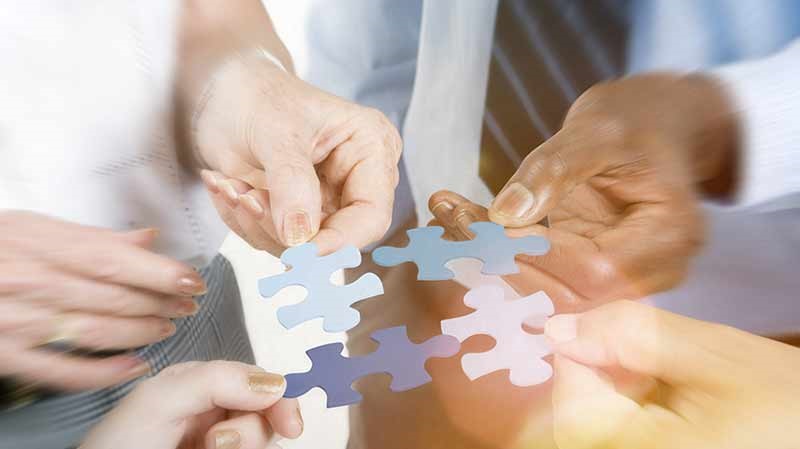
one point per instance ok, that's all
(396, 355)
(430, 252)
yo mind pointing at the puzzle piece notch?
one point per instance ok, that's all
(430, 252)
(396, 355)
(515, 349)
(323, 299)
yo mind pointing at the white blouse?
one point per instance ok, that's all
(86, 121)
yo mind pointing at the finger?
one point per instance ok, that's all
(100, 332)
(588, 412)
(246, 431)
(456, 213)
(646, 340)
(226, 212)
(548, 174)
(129, 265)
(143, 238)
(285, 418)
(294, 191)
(64, 372)
(367, 201)
(111, 299)
(186, 390)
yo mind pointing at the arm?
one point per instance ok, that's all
(766, 97)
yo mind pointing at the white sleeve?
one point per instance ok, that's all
(766, 94)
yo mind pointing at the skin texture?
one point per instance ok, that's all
(287, 162)
(709, 385)
(202, 405)
(93, 288)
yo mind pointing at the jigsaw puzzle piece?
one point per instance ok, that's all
(405, 360)
(334, 306)
(515, 349)
(305, 268)
(424, 249)
(331, 372)
(498, 251)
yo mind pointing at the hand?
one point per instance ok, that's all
(620, 185)
(91, 288)
(686, 384)
(203, 405)
(292, 162)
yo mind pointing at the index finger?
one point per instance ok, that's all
(113, 261)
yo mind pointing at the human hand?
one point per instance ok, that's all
(90, 288)
(291, 162)
(629, 375)
(619, 184)
(202, 405)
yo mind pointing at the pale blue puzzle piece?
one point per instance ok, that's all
(430, 252)
(396, 355)
(323, 299)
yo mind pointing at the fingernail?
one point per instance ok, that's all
(263, 382)
(191, 285)
(442, 205)
(227, 439)
(296, 228)
(463, 221)
(187, 307)
(231, 195)
(210, 180)
(252, 205)
(562, 328)
(299, 419)
(168, 329)
(514, 201)
(140, 369)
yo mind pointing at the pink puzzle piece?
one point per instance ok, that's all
(515, 349)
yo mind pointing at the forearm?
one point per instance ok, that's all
(214, 33)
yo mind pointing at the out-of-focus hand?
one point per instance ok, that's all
(292, 162)
(201, 405)
(619, 183)
(632, 376)
(90, 288)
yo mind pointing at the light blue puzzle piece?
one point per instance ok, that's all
(430, 252)
(323, 299)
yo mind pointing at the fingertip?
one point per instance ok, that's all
(209, 178)
(252, 205)
(286, 419)
(296, 228)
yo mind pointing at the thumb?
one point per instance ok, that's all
(294, 194)
(546, 176)
(647, 341)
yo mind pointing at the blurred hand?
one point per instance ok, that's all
(291, 162)
(712, 385)
(87, 287)
(620, 185)
(201, 405)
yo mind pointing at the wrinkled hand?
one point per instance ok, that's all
(292, 162)
(632, 376)
(620, 185)
(91, 288)
(201, 405)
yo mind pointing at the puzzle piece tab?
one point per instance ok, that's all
(395, 355)
(515, 349)
(323, 299)
(430, 252)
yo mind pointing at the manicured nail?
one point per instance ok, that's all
(514, 201)
(227, 439)
(251, 205)
(209, 180)
(230, 194)
(299, 419)
(187, 307)
(168, 329)
(296, 228)
(191, 285)
(263, 382)
(442, 205)
(561, 328)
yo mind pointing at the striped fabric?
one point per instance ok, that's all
(545, 54)
(216, 332)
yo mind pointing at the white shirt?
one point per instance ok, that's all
(86, 121)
